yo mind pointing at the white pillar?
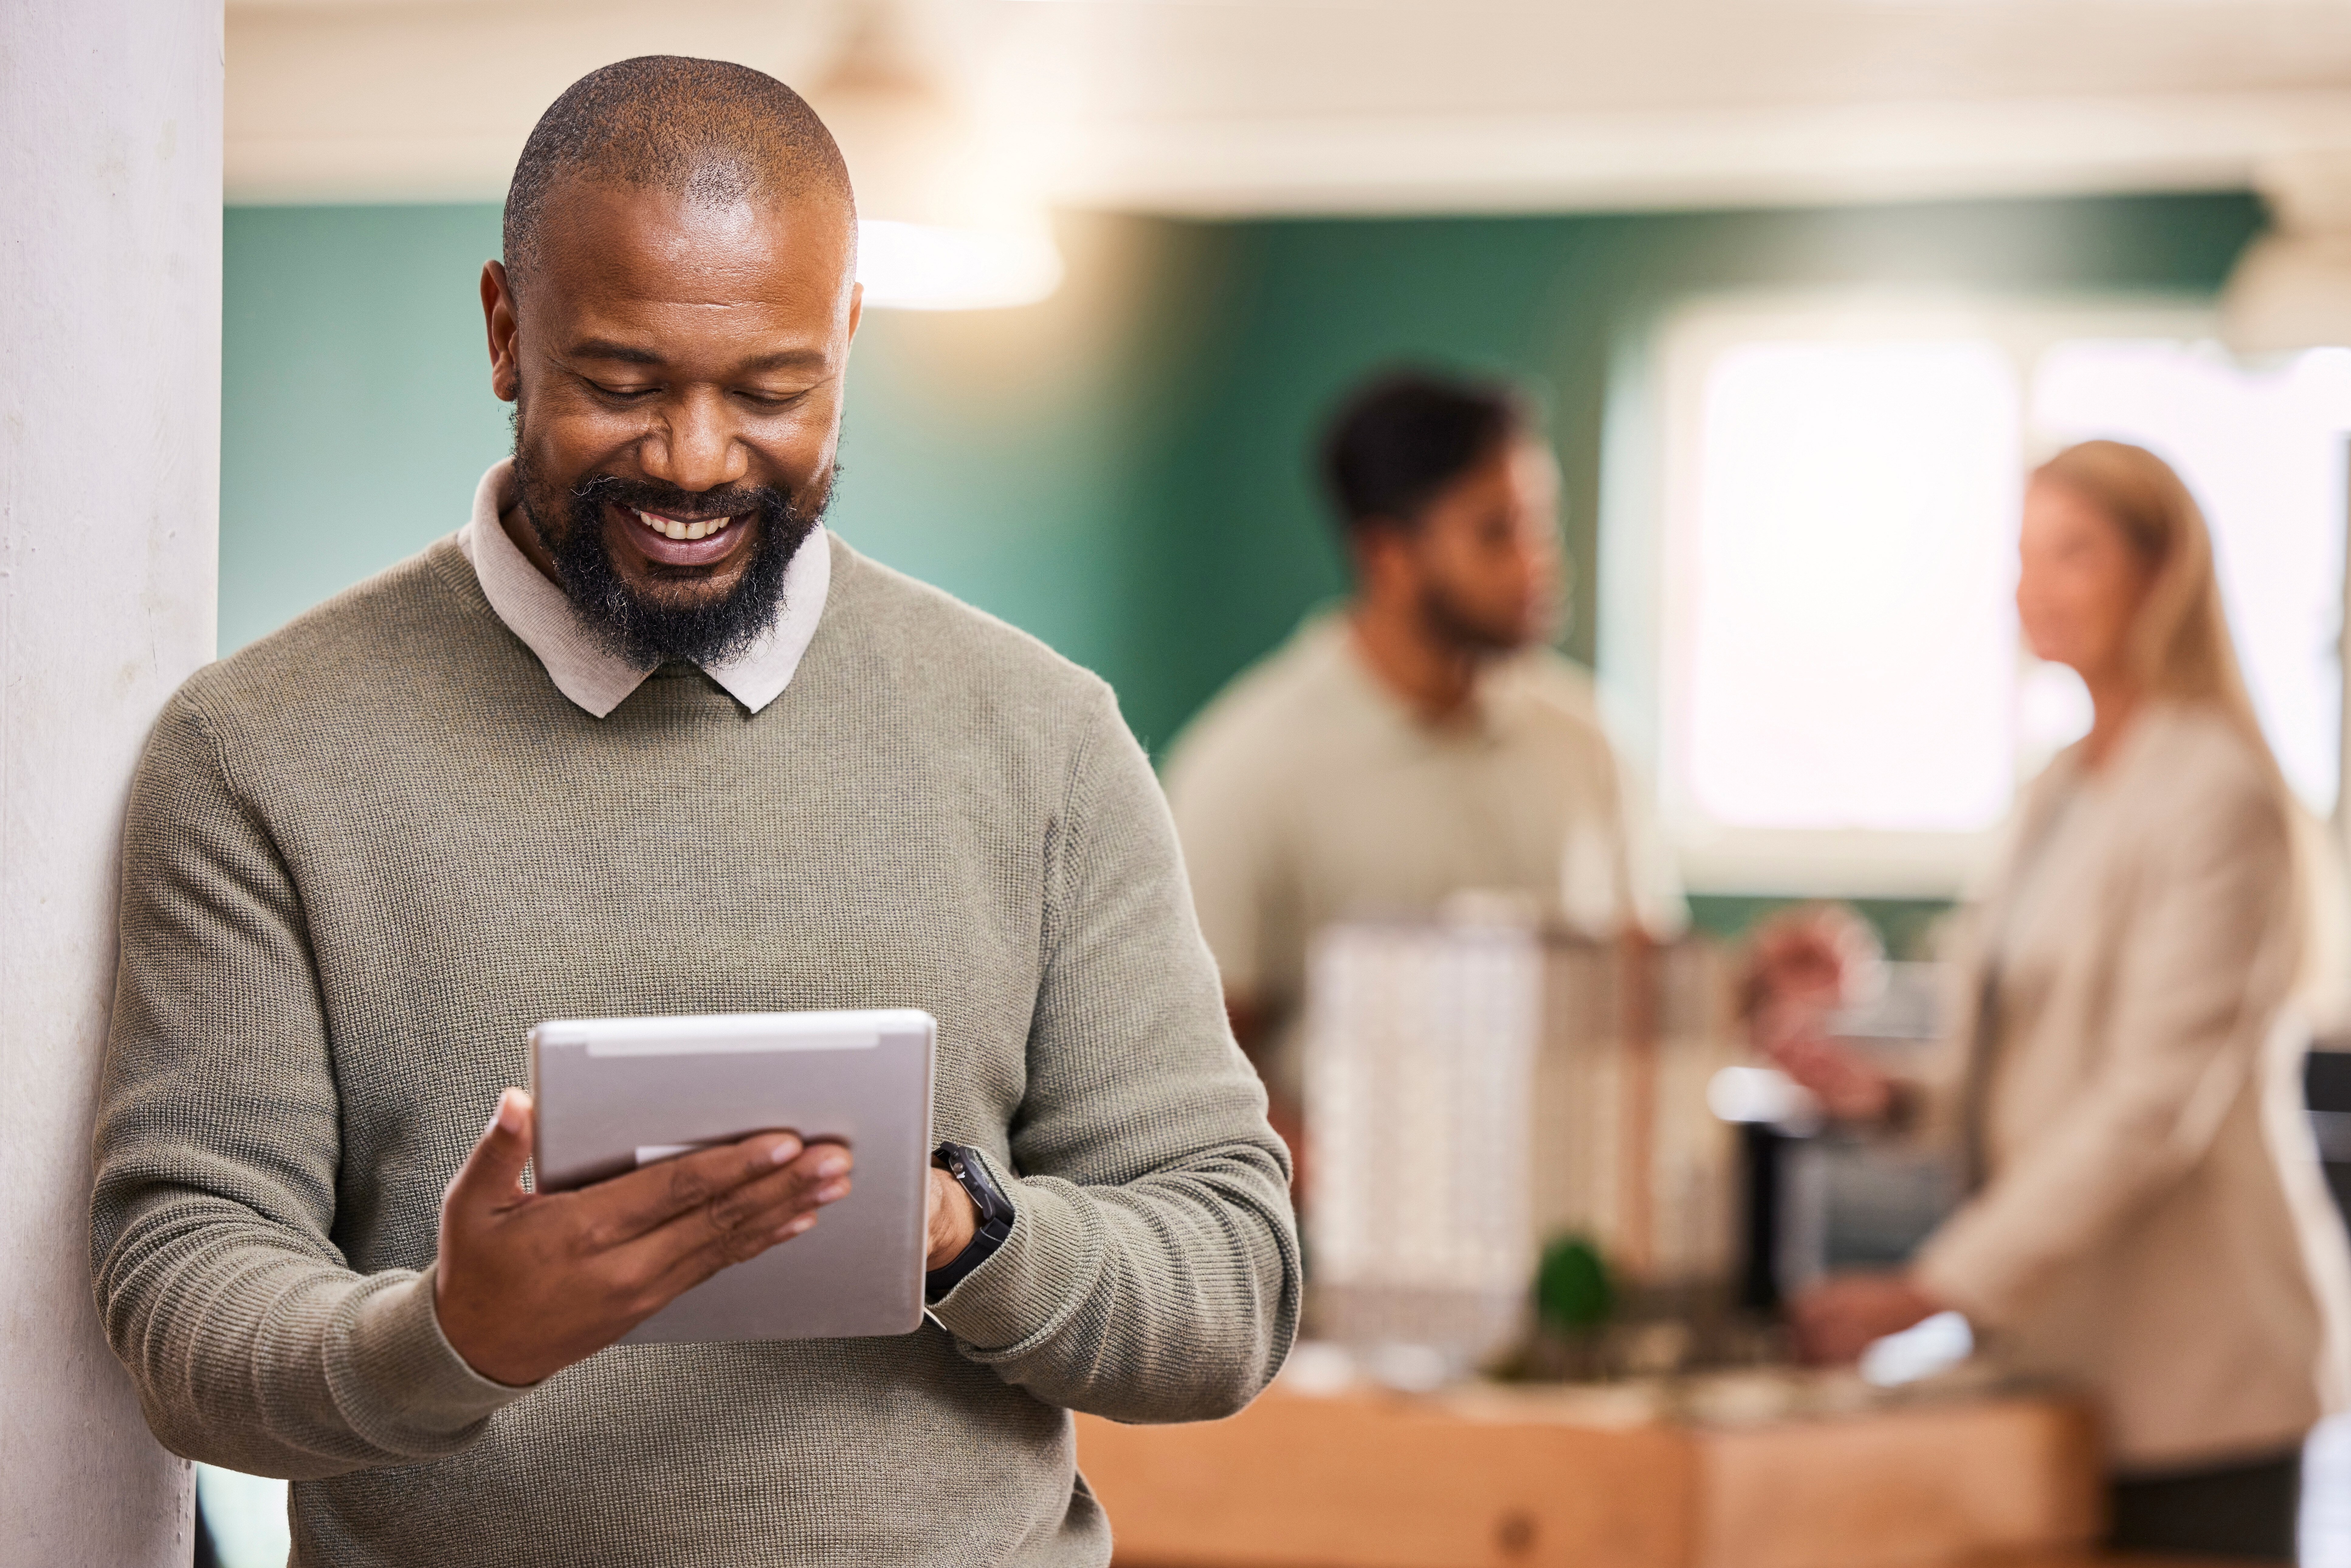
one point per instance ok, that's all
(109, 496)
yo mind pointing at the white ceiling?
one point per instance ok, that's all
(1224, 107)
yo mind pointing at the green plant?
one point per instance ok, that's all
(1573, 1293)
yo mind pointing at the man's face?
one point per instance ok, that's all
(677, 372)
(1484, 560)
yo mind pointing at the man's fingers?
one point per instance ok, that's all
(758, 1208)
(723, 1250)
(817, 1177)
(741, 1224)
(651, 1197)
(492, 1173)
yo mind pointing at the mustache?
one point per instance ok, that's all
(686, 506)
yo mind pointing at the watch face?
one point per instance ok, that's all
(973, 1176)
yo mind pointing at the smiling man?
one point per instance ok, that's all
(643, 737)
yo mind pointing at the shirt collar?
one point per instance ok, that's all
(589, 672)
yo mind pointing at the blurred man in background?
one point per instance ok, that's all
(1423, 741)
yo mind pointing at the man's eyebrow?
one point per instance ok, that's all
(789, 359)
(782, 360)
(605, 349)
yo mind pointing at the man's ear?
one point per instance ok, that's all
(499, 319)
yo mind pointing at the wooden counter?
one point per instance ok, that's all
(1506, 1478)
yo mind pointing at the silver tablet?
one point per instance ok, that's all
(616, 1093)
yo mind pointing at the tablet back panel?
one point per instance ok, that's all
(613, 1093)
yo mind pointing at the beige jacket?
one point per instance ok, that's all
(2153, 1225)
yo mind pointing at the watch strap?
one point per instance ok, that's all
(994, 1224)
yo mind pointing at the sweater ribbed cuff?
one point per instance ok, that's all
(399, 1375)
(1031, 1285)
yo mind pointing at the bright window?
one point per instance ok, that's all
(1841, 701)
(1853, 497)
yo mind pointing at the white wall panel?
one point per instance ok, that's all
(110, 483)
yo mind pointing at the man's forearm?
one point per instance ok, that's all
(1172, 1298)
(1152, 1269)
(257, 1356)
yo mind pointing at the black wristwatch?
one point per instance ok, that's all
(996, 1213)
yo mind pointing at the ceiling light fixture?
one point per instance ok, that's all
(2291, 289)
(944, 223)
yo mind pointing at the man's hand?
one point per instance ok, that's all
(530, 1283)
(954, 1220)
(1837, 1320)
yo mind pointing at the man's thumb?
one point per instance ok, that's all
(492, 1173)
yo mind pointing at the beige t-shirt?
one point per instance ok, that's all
(1307, 793)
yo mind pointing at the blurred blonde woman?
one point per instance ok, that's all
(2146, 1218)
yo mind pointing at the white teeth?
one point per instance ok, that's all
(670, 527)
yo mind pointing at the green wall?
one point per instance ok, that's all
(356, 412)
(1121, 470)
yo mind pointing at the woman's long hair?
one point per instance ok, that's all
(2180, 645)
(2180, 649)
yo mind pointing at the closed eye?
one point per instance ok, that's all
(770, 401)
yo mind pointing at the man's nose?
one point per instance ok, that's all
(695, 449)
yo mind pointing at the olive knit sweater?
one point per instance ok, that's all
(366, 854)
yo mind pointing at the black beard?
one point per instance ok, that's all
(1460, 630)
(647, 629)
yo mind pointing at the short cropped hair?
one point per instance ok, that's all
(1402, 438)
(709, 130)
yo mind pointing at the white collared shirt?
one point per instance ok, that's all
(578, 661)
